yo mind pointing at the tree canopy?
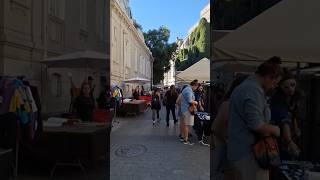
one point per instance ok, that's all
(199, 46)
(157, 41)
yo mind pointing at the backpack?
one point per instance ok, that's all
(155, 102)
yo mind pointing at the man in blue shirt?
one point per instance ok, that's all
(187, 118)
(248, 119)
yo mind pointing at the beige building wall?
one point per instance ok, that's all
(32, 31)
(130, 57)
(205, 12)
(169, 77)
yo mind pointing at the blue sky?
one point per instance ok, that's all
(178, 15)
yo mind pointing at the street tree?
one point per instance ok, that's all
(157, 41)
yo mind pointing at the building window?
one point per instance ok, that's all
(144, 66)
(83, 15)
(56, 85)
(136, 61)
(127, 51)
(57, 8)
(141, 64)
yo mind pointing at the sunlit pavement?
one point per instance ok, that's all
(141, 151)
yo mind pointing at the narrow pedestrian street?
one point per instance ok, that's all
(140, 151)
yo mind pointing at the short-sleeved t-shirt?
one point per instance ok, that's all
(187, 98)
(248, 110)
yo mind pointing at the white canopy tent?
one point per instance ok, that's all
(199, 70)
(136, 80)
(80, 59)
(290, 30)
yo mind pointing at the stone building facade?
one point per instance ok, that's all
(32, 31)
(169, 77)
(130, 57)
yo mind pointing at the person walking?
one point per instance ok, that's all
(171, 96)
(156, 105)
(179, 103)
(248, 119)
(188, 105)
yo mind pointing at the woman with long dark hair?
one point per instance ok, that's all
(284, 106)
(84, 104)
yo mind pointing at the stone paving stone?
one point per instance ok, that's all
(165, 158)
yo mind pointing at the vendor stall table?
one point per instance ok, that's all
(147, 99)
(298, 170)
(133, 107)
(77, 143)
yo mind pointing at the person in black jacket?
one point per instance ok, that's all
(171, 98)
(156, 105)
(84, 104)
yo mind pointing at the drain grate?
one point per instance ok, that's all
(131, 150)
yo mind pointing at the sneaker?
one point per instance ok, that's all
(206, 141)
(181, 139)
(187, 143)
(203, 143)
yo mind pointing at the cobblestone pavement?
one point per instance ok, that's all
(140, 151)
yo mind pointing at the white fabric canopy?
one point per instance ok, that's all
(199, 71)
(290, 30)
(137, 80)
(81, 59)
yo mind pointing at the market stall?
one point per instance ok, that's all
(272, 33)
(275, 33)
(133, 107)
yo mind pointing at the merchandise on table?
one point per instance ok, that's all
(203, 116)
(298, 170)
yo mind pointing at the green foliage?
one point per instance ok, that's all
(199, 46)
(157, 41)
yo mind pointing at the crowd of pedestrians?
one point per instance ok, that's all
(254, 108)
(185, 102)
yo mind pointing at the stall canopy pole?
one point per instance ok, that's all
(298, 73)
